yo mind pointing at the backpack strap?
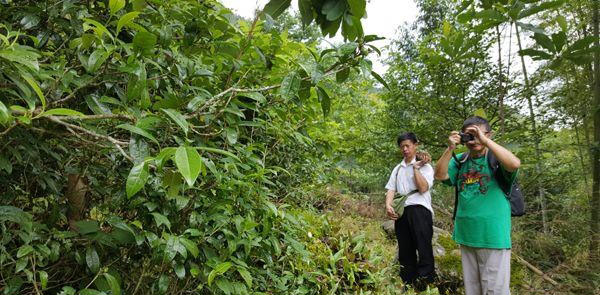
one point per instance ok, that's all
(459, 162)
(497, 173)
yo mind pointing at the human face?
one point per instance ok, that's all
(475, 144)
(409, 149)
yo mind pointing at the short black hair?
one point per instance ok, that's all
(407, 136)
(476, 121)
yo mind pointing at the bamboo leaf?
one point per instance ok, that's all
(178, 118)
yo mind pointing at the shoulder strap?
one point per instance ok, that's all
(497, 173)
(459, 162)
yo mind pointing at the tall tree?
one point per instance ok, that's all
(595, 200)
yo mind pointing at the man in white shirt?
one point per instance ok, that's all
(414, 229)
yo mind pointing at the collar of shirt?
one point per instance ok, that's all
(403, 163)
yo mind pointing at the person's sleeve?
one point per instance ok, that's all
(427, 172)
(452, 172)
(509, 176)
(391, 184)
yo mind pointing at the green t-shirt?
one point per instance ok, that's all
(483, 213)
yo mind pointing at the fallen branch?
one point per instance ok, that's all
(536, 270)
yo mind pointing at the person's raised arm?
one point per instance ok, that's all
(441, 167)
(507, 159)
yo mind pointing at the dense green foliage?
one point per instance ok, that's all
(169, 147)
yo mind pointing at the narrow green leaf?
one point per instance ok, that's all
(92, 259)
(24, 251)
(161, 219)
(190, 246)
(36, 88)
(163, 284)
(219, 151)
(539, 8)
(306, 11)
(257, 96)
(179, 270)
(544, 41)
(43, 278)
(380, 79)
(5, 114)
(342, 75)
(217, 271)
(138, 131)
(325, 100)
(232, 135)
(138, 176)
(144, 41)
(115, 6)
(276, 7)
(62, 112)
(188, 163)
(178, 118)
(290, 86)
(115, 289)
(126, 19)
(246, 276)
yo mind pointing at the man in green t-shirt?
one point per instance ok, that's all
(482, 222)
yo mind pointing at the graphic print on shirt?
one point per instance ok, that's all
(474, 175)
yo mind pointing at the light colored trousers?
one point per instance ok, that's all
(486, 271)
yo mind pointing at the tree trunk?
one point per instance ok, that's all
(536, 138)
(76, 190)
(501, 86)
(595, 200)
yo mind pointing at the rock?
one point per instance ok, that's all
(388, 227)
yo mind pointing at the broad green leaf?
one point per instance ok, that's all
(98, 28)
(126, 19)
(325, 100)
(290, 86)
(21, 264)
(138, 176)
(342, 75)
(562, 22)
(246, 276)
(115, 288)
(163, 284)
(5, 114)
(96, 59)
(190, 246)
(536, 54)
(539, 8)
(219, 270)
(138, 5)
(161, 219)
(178, 118)
(5, 165)
(115, 6)
(36, 88)
(276, 7)
(164, 155)
(559, 39)
(96, 106)
(581, 43)
(23, 55)
(24, 251)
(306, 11)
(144, 41)
(87, 226)
(43, 278)
(480, 113)
(333, 9)
(203, 96)
(92, 259)
(357, 7)
(544, 41)
(232, 135)
(179, 270)
(138, 131)
(188, 163)
(62, 112)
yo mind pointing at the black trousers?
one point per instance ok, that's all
(414, 231)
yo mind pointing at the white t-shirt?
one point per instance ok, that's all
(402, 181)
